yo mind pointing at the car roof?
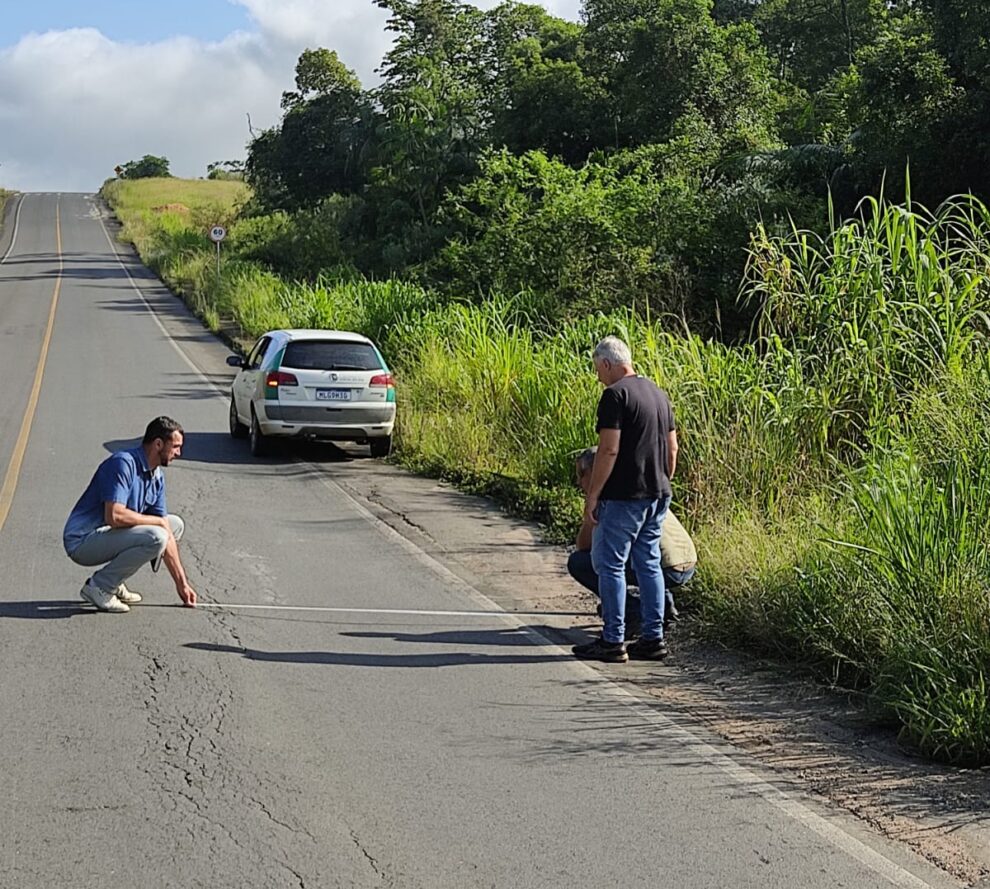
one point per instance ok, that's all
(338, 335)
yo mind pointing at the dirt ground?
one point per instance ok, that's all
(825, 743)
(814, 739)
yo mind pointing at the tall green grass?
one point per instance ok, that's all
(882, 304)
(834, 471)
(892, 311)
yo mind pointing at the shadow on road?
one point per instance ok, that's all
(220, 448)
(88, 268)
(203, 447)
(45, 610)
(356, 659)
(507, 636)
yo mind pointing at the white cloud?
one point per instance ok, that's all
(74, 103)
(355, 28)
(344, 25)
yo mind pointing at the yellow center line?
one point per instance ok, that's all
(20, 448)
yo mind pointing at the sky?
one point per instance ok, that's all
(87, 86)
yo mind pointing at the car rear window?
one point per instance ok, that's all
(330, 355)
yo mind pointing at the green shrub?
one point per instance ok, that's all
(652, 228)
(302, 246)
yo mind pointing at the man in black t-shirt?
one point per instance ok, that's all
(627, 500)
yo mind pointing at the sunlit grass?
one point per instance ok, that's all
(184, 209)
(140, 195)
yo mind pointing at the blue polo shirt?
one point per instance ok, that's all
(124, 477)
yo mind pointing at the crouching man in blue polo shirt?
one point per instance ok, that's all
(121, 522)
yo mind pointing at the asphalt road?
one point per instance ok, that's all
(280, 748)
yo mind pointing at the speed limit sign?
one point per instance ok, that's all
(218, 233)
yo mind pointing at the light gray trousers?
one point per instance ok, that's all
(125, 549)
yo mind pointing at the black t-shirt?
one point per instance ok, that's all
(642, 412)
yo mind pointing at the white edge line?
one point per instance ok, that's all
(17, 223)
(786, 802)
(414, 612)
(219, 393)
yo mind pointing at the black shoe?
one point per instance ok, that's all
(156, 562)
(600, 650)
(648, 650)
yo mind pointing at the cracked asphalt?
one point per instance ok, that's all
(215, 748)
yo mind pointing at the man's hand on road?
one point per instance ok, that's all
(188, 595)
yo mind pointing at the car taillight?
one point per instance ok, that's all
(381, 380)
(278, 378)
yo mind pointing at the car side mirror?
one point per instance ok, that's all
(235, 361)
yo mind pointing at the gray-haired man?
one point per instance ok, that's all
(626, 502)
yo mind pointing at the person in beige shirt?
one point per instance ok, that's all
(678, 557)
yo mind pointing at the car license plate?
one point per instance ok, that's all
(333, 394)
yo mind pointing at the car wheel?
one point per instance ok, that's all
(237, 428)
(260, 443)
(381, 447)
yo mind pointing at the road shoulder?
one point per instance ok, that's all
(817, 740)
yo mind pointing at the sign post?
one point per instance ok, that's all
(217, 234)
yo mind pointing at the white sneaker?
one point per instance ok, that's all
(128, 597)
(103, 600)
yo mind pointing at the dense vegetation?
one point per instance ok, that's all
(624, 160)
(706, 180)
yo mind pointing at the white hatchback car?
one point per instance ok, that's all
(316, 384)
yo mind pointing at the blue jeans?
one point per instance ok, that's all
(629, 530)
(580, 568)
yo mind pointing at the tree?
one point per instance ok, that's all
(542, 96)
(733, 11)
(664, 60)
(905, 108)
(811, 40)
(149, 167)
(225, 170)
(320, 73)
(960, 29)
(433, 122)
(322, 145)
